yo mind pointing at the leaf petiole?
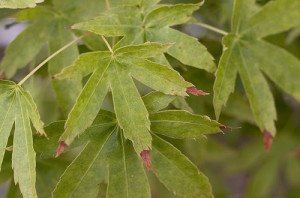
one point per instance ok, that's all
(50, 57)
(211, 28)
(107, 44)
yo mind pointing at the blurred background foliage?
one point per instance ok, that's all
(235, 161)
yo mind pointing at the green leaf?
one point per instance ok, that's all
(23, 157)
(276, 16)
(127, 176)
(258, 93)
(182, 124)
(155, 101)
(146, 50)
(158, 77)
(177, 172)
(130, 110)
(148, 4)
(226, 75)
(115, 70)
(283, 68)
(138, 29)
(86, 171)
(186, 49)
(33, 112)
(19, 3)
(84, 65)
(66, 91)
(244, 49)
(87, 105)
(15, 55)
(6, 120)
(19, 109)
(106, 26)
(165, 15)
(242, 11)
(49, 25)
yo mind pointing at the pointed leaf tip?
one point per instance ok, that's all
(196, 92)
(268, 140)
(60, 149)
(145, 155)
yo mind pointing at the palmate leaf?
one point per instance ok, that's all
(247, 54)
(48, 25)
(115, 71)
(17, 107)
(126, 175)
(153, 25)
(176, 172)
(19, 3)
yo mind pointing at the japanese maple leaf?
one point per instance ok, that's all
(149, 21)
(246, 53)
(106, 152)
(18, 111)
(114, 70)
(47, 25)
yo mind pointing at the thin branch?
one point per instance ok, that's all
(107, 44)
(209, 27)
(50, 57)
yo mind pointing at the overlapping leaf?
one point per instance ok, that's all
(19, 3)
(18, 109)
(150, 22)
(48, 25)
(115, 71)
(248, 54)
(126, 175)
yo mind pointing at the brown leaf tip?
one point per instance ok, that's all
(60, 149)
(268, 140)
(145, 155)
(196, 92)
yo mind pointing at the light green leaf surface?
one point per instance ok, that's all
(182, 124)
(242, 11)
(244, 49)
(85, 64)
(186, 49)
(106, 26)
(258, 93)
(86, 171)
(6, 120)
(18, 109)
(19, 3)
(127, 176)
(33, 112)
(225, 75)
(164, 15)
(177, 172)
(23, 156)
(137, 30)
(275, 17)
(146, 50)
(115, 70)
(155, 101)
(272, 60)
(158, 77)
(130, 110)
(87, 105)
